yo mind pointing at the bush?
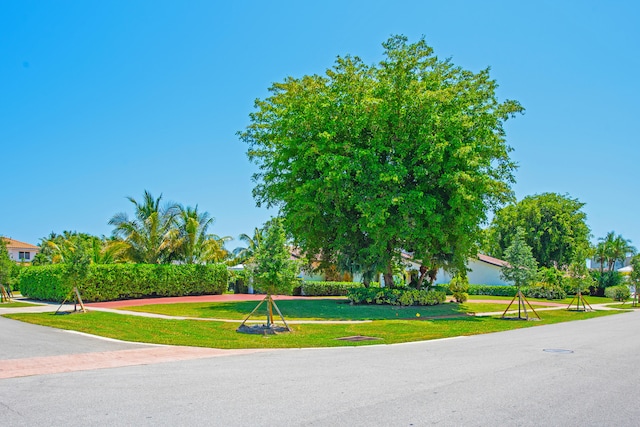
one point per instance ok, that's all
(605, 280)
(313, 288)
(108, 282)
(545, 290)
(388, 296)
(494, 291)
(459, 287)
(618, 293)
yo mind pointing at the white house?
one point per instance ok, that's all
(20, 251)
(484, 270)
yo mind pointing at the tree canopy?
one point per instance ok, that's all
(368, 160)
(554, 226)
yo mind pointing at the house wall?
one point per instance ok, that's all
(481, 273)
(14, 254)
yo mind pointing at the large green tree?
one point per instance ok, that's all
(554, 225)
(368, 160)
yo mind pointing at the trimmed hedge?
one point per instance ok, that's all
(316, 289)
(493, 290)
(108, 282)
(395, 296)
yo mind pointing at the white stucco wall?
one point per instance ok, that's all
(482, 273)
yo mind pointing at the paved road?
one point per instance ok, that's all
(490, 380)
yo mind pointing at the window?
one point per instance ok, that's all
(24, 255)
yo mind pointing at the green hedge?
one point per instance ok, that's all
(493, 290)
(315, 289)
(391, 296)
(108, 282)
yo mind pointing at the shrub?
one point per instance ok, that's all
(459, 287)
(387, 296)
(545, 290)
(491, 290)
(108, 282)
(313, 288)
(618, 293)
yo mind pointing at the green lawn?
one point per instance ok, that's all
(16, 304)
(222, 335)
(319, 309)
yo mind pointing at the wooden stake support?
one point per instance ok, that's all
(77, 299)
(270, 305)
(578, 298)
(4, 294)
(522, 306)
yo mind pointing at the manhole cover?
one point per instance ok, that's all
(558, 350)
(356, 338)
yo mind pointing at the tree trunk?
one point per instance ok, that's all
(388, 277)
(423, 274)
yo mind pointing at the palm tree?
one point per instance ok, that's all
(192, 243)
(619, 250)
(612, 248)
(149, 234)
(243, 255)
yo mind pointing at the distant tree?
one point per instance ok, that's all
(634, 277)
(6, 264)
(366, 161)
(246, 254)
(149, 233)
(522, 267)
(554, 225)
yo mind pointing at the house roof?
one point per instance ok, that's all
(491, 260)
(15, 244)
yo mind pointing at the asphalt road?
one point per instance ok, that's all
(503, 379)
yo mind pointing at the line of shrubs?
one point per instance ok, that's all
(395, 296)
(109, 282)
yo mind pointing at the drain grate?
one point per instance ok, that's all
(557, 350)
(357, 338)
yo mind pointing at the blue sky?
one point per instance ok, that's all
(102, 100)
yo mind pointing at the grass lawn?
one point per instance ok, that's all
(16, 304)
(319, 309)
(222, 335)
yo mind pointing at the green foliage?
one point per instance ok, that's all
(314, 288)
(604, 280)
(545, 290)
(634, 277)
(459, 287)
(8, 268)
(368, 160)
(618, 293)
(612, 248)
(522, 268)
(389, 296)
(555, 226)
(495, 291)
(107, 282)
(274, 272)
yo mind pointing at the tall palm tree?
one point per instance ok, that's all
(149, 233)
(192, 242)
(619, 250)
(246, 254)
